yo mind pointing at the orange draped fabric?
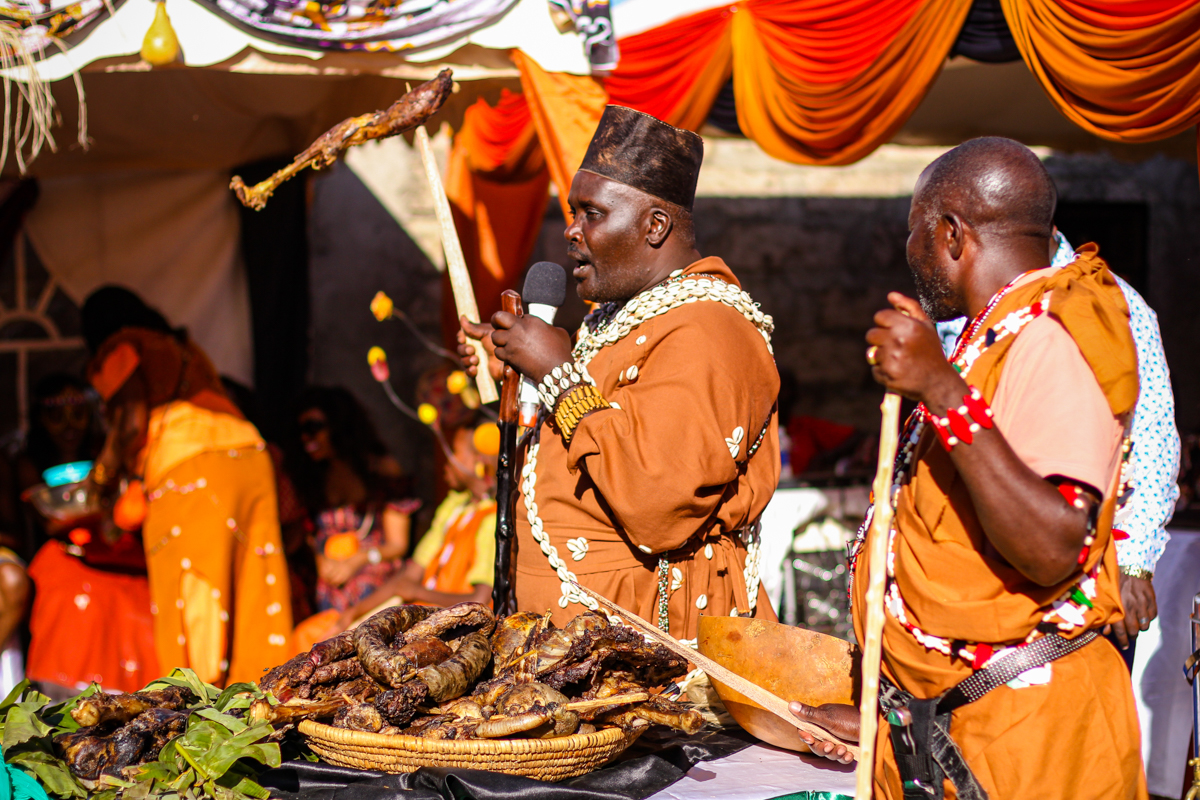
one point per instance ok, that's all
(828, 83)
(500, 169)
(565, 110)
(817, 82)
(496, 182)
(1127, 70)
(675, 71)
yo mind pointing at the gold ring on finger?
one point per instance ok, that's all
(873, 355)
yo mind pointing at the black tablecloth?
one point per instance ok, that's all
(653, 763)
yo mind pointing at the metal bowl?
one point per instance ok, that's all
(66, 503)
(792, 663)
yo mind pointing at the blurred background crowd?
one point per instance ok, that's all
(146, 524)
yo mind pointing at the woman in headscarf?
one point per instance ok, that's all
(182, 462)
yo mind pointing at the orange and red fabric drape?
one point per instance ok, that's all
(815, 82)
(1127, 70)
(501, 165)
(496, 181)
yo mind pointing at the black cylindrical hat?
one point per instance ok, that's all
(646, 153)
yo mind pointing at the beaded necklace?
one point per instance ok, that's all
(612, 322)
(607, 325)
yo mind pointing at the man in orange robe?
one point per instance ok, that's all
(1002, 567)
(657, 449)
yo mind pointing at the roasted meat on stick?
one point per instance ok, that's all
(408, 112)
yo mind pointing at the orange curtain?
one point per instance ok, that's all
(496, 182)
(498, 178)
(816, 82)
(1127, 70)
(565, 110)
(675, 71)
(829, 82)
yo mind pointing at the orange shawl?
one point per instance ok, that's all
(951, 587)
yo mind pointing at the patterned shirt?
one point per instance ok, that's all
(1155, 457)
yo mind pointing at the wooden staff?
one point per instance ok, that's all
(456, 265)
(877, 542)
(504, 587)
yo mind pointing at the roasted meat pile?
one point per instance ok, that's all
(458, 673)
(122, 730)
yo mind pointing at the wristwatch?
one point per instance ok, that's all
(374, 556)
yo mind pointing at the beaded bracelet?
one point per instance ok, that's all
(1074, 495)
(559, 380)
(575, 405)
(962, 423)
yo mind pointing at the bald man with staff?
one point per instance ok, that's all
(1002, 569)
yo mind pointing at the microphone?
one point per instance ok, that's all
(545, 290)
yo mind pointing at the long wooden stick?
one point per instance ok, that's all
(877, 544)
(456, 265)
(768, 700)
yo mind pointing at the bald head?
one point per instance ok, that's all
(996, 186)
(981, 214)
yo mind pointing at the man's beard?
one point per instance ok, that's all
(935, 293)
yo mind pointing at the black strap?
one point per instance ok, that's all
(1002, 670)
(925, 753)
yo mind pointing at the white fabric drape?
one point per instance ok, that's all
(171, 237)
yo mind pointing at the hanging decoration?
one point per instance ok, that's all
(388, 26)
(592, 19)
(161, 45)
(29, 31)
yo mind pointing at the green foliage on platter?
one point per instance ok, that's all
(218, 756)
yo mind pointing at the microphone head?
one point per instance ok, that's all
(545, 283)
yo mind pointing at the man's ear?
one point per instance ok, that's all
(659, 227)
(953, 232)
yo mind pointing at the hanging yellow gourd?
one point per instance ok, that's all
(161, 45)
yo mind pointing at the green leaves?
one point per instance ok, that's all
(48, 769)
(218, 756)
(189, 680)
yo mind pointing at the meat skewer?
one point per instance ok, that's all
(408, 112)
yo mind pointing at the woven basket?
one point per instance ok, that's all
(544, 759)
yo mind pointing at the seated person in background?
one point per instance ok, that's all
(812, 444)
(90, 620)
(347, 481)
(456, 558)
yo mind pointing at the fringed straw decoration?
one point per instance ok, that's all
(29, 108)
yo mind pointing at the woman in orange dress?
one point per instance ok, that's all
(182, 461)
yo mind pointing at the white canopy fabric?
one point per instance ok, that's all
(634, 16)
(210, 41)
(171, 237)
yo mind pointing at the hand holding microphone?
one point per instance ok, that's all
(530, 344)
